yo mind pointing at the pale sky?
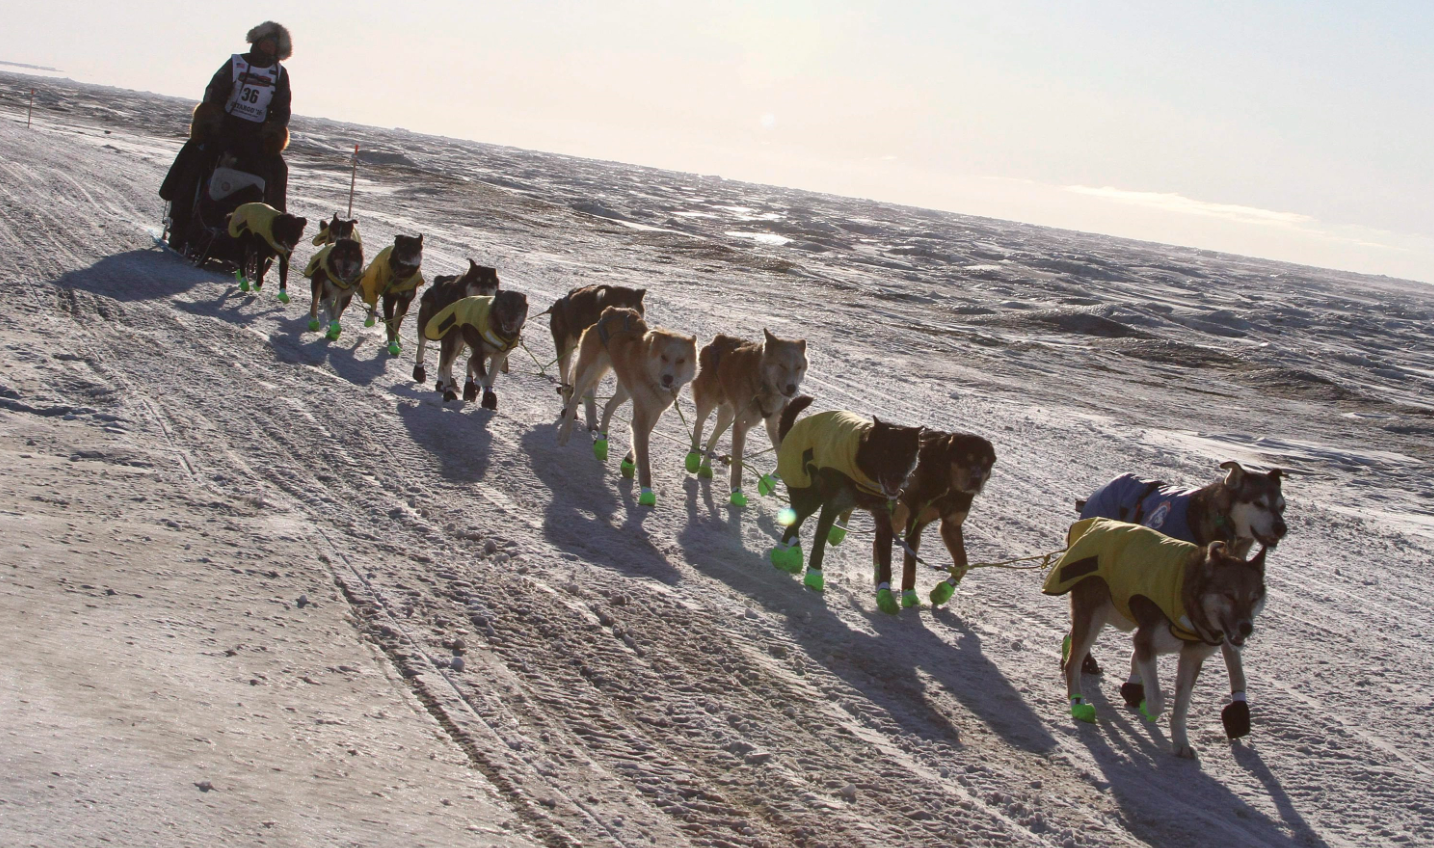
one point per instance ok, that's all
(1300, 130)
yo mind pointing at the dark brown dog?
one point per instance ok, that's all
(337, 228)
(950, 471)
(576, 311)
(477, 280)
(334, 272)
(395, 274)
(256, 254)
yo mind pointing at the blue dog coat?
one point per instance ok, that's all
(1147, 502)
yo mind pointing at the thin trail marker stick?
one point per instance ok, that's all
(31, 111)
(353, 178)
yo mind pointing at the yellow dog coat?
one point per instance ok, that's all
(469, 312)
(256, 218)
(378, 278)
(824, 440)
(321, 260)
(1133, 560)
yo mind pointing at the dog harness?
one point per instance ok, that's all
(1133, 560)
(1148, 502)
(321, 260)
(469, 312)
(825, 440)
(378, 278)
(258, 219)
(604, 333)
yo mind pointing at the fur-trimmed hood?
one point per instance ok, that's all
(277, 31)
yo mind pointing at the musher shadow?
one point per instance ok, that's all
(148, 274)
(592, 512)
(1172, 801)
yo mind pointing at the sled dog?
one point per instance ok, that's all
(746, 382)
(395, 274)
(835, 462)
(334, 273)
(651, 366)
(264, 234)
(489, 325)
(1176, 596)
(573, 313)
(477, 280)
(951, 469)
(337, 228)
(1239, 509)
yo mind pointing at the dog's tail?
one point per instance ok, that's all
(789, 415)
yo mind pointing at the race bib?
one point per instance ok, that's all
(253, 90)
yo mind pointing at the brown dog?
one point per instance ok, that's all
(490, 326)
(337, 228)
(745, 382)
(573, 313)
(651, 366)
(951, 469)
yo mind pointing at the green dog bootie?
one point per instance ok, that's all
(314, 325)
(600, 449)
(334, 331)
(241, 280)
(1081, 710)
(1145, 715)
(394, 348)
(737, 498)
(647, 498)
(942, 593)
(814, 581)
(627, 468)
(704, 472)
(283, 296)
(368, 322)
(693, 461)
(767, 484)
(909, 599)
(259, 286)
(885, 601)
(837, 534)
(787, 558)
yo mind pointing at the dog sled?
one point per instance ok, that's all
(217, 194)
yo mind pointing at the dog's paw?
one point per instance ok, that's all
(449, 395)
(942, 593)
(704, 471)
(836, 535)
(1090, 666)
(1183, 750)
(767, 484)
(909, 599)
(419, 375)
(647, 498)
(788, 558)
(1236, 717)
(394, 348)
(368, 322)
(1151, 712)
(814, 581)
(599, 449)
(1083, 712)
(470, 391)
(692, 462)
(313, 325)
(1133, 693)
(335, 330)
(886, 602)
(627, 468)
(490, 400)
(737, 498)
(283, 296)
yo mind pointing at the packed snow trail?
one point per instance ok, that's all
(642, 676)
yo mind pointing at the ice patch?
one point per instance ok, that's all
(760, 238)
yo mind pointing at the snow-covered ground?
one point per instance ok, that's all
(183, 462)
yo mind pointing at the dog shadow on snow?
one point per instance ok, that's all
(587, 515)
(456, 433)
(892, 666)
(1146, 780)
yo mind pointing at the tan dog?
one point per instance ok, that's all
(745, 382)
(651, 366)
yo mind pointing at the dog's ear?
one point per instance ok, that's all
(1236, 474)
(767, 337)
(1257, 562)
(802, 345)
(472, 266)
(641, 293)
(1216, 550)
(1276, 474)
(420, 239)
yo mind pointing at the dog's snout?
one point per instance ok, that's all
(1246, 628)
(1281, 528)
(666, 379)
(791, 389)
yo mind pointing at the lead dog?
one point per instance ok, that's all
(745, 382)
(951, 470)
(1241, 508)
(836, 462)
(573, 313)
(1175, 596)
(651, 366)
